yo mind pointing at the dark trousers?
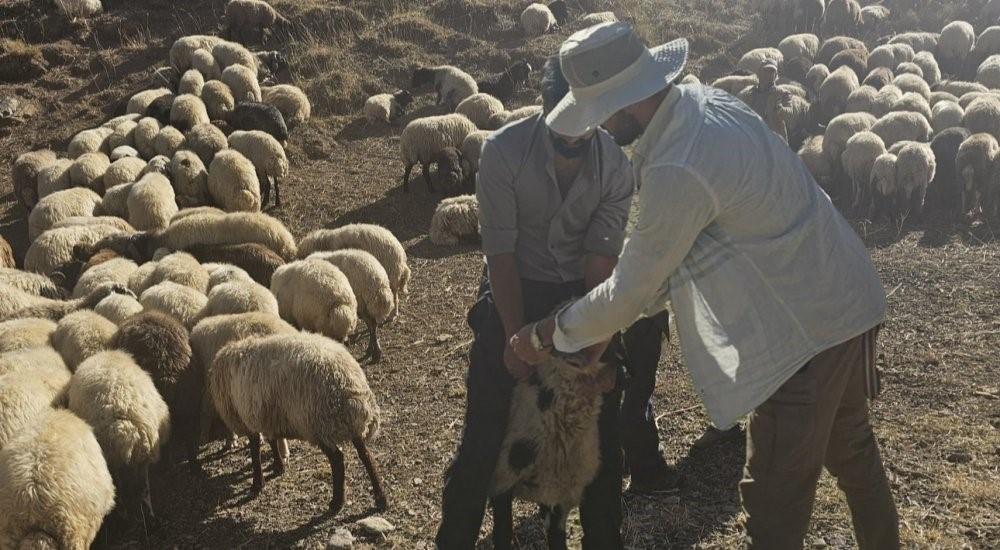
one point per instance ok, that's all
(489, 390)
(640, 354)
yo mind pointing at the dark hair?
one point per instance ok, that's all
(554, 85)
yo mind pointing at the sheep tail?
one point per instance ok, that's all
(127, 438)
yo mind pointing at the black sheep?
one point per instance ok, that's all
(251, 115)
(503, 85)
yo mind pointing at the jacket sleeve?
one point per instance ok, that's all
(606, 231)
(675, 204)
(497, 202)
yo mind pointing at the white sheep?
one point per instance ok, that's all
(24, 174)
(937, 97)
(228, 53)
(118, 307)
(88, 171)
(291, 102)
(835, 90)
(268, 158)
(168, 141)
(139, 102)
(151, 202)
(386, 108)
(123, 135)
(861, 100)
(480, 108)
(959, 88)
(230, 228)
(79, 8)
(250, 15)
(19, 304)
(506, 117)
(218, 98)
(314, 295)
(928, 66)
(946, 114)
(912, 102)
(883, 187)
(804, 45)
(242, 83)
(975, 164)
(919, 41)
(815, 77)
(915, 166)
(956, 41)
(987, 43)
(885, 99)
(818, 163)
(874, 14)
(55, 488)
(983, 115)
(130, 420)
(176, 267)
(78, 201)
(733, 84)
(537, 19)
(836, 44)
(188, 111)
(425, 137)
(596, 18)
(325, 399)
(25, 333)
(25, 393)
(203, 62)
(55, 247)
(455, 218)
(370, 284)
(988, 73)
(752, 60)
(190, 178)
(116, 270)
(841, 16)
(375, 239)
(54, 177)
(909, 67)
(32, 283)
(233, 182)
(968, 98)
(178, 301)
(144, 135)
(184, 47)
(839, 130)
(857, 159)
(912, 83)
(890, 56)
(192, 81)
(239, 297)
(160, 164)
(205, 140)
(902, 126)
(80, 335)
(471, 149)
(451, 83)
(30, 359)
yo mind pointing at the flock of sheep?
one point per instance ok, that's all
(889, 128)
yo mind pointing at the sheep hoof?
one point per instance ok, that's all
(336, 504)
(381, 503)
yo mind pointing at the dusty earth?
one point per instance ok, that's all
(938, 421)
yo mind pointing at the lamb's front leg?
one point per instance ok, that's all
(503, 520)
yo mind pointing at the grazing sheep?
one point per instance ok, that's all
(25, 333)
(915, 166)
(168, 141)
(375, 239)
(946, 114)
(118, 307)
(874, 14)
(191, 83)
(912, 102)
(937, 97)
(123, 151)
(55, 246)
(928, 67)
(975, 167)
(454, 219)
(218, 99)
(537, 19)
(835, 90)
(233, 182)
(902, 126)
(190, 179)
(328, 401)
(43, 503)
(235, 228)
(32, 283)
(815, 77)
(145, 134)
(732, 84)
(315, 296)
(78, 201)
(115, 270)
(370, 284)
(88, 171)
(183, 48)
(834, 45)
(268, 158)
(945, 191)
(885, 99)
(187, 111)
(123, 135)
(249, 115)
(857, 159)
(988, 73)
(130, 420)
(912, 83)
(178, 301)
(591, 19)
(503, 85)
(80, 335)
(841, 16)
(959, 88)
(818, 163)
(752, 60)
(883, 187)
(251, 15)
(239, 297)
(205, 140)
(27, 392)
(983, 115)
(471, 149)
(955, 43)
(386, 108)
(838, 131)
(987, 44)
(19, 305)
(424, 137)
(919, 41)
(24, 175)
(909, 67)
(856, 59)
(480, 108)
(861, 100)
(506, 117)
(140, 102)
(151, 202)
(799, 45)
(52, 178)
(177, 267)
(30, 359)
(808, 14)
(451, 84)
(890, 56)
(242, 82)
(294, 106)
(203, 62)
(449, 169)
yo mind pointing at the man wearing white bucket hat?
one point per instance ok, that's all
(776, 300)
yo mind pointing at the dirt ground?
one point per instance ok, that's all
(938, 422)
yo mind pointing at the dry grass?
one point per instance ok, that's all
(938, 421)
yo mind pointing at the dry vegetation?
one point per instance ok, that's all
(939, 419)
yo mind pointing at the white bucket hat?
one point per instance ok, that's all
(608, 67)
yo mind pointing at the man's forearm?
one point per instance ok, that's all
(597, 268)
(505, 282)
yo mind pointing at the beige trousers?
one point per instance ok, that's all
(818, 418)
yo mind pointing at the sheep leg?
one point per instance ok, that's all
(265, 188)
(381, 502)
(258, 475)
(406, 178)
(427, 175)
(145, 502)
(374, 349)
(278, 461)
(555, 532)
(277, 193)
(503, 520)
(336, 459)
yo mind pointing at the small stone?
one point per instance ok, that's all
(442, 338)
(375, 525)
(959, 458)
(342, 539)
(417, 481)
(672, 499)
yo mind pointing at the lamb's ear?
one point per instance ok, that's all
(82, 252)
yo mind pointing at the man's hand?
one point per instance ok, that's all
(515, 366)
(521, 342)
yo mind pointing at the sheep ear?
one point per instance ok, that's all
(82, 252)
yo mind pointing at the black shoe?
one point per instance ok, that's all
(714, 435)
(668, 482)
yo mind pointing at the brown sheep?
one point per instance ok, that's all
(257, 260)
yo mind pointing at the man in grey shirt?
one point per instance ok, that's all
(776, 300)
(552, 213)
